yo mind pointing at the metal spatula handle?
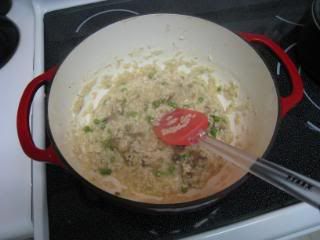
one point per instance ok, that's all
(295, 184)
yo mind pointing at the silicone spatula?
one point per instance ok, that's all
(184, 127)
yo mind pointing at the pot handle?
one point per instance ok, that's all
(23, 124)
(288, 102)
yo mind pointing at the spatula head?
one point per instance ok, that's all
(181, 127)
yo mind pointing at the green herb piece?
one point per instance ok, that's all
(108, 144)
(87, 129)
(132, 114)
(104, 120)
(184, 189)
(172, 104)
(219, 89)
(112, 159)
(186, 106)
(213, 132)
(216, 118)
(158, 173)
(184, 156)
(168, 172)
(96, 121)
(123, 89)
(164, 83)
(171, 169)
(200, 99)
(105, 171)
(123, 103)
(100, 123)
(151, 74)
(149, 119)
(156, 103)
(128, 127)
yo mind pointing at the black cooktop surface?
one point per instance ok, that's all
(74, 213)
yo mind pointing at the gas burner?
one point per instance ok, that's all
(9, 39)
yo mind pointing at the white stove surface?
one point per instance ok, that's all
(15, 172)
(23, 203)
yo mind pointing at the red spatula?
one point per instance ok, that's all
(184, 127)
(181, 127)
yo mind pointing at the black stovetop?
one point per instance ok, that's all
(74, 213)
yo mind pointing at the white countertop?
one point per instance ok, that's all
(15, 173)
(23, 206)
(284, 224)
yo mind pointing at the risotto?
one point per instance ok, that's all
(112, 131)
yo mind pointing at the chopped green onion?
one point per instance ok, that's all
(171, 169)
(132, 114)
(105, 171)
(200, 99)
(169, 172)
(112, 159)
(184, 189)
(87, 129)
(123, 103)
(156, 103)
(128, 127)
(101, 123)
(124, 89)
(108, 143)
(158, 173)
(216, 118)
(213, 132)
(184, 156)
(186, 106)
(172, 104)
(219, 89)
(151, 74)
(149, 119)
(96, 121)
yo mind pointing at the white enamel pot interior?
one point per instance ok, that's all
(171, 33)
